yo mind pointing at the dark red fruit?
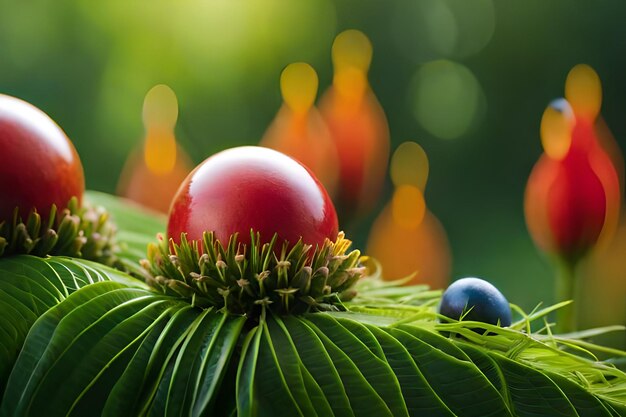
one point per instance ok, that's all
(38, 164)
(255, 188)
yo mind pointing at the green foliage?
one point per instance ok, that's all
(246, 280)
(81, 339)
(82, 232)
(30, 286)
(136, 228)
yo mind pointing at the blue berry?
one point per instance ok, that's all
(483, 301)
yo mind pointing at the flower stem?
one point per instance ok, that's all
(566, 290)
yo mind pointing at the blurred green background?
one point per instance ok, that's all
(90, 64)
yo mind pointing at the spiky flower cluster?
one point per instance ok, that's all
(246, 279)
(81, 232)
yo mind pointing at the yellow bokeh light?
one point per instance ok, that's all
(422, 254)
(556, 129)
(160, 151)
(298, 85)
(351, 83)
(409, 166)
(160, 107)
(160, 112)
(583, 90)
(408, 206)
(352, 49)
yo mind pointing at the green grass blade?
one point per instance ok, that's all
(586, 405)
(533, 393)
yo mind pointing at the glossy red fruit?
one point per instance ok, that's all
(250, 187)
(38, 164)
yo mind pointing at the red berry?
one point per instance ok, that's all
(38, 164)
(253, 188)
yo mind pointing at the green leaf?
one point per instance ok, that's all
(97, 342)
(488, 367)
(261, 386)
(214, 365)
(145, 369)
(191, 374)
(585, 405)
(246, 373)
(29, 286)
(533, 393)
(458, 382)
(128, 215)
(418, 394)
(137, 226)
(347, 364)
(201, 363)
(317, 361)
(300, 381)
(106, 371)
(71, 344)
(363, 397)
(364, 351)
(186, 369)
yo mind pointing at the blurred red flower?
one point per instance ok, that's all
(572, 197)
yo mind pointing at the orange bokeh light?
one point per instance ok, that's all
(358, 126)
(152, 174)
(423, 251)
(298, 130)
(406, 238)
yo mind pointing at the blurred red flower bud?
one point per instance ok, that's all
(573, 195)
(358, 127)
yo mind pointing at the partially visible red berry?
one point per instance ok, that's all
(38, 164)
